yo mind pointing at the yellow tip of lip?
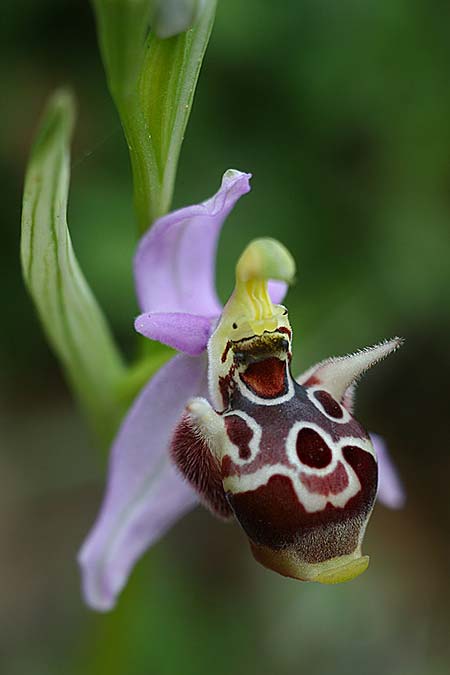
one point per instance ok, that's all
(345, 572)
(334, 571)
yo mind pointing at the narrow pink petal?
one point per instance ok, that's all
(187, 333)
(390, 489)
(277, 291)
(145, 494)
(175, 261)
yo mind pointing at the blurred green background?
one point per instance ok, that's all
(341, 110)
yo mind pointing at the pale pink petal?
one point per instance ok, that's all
(390, 489)
(187, 333)
(277, 291)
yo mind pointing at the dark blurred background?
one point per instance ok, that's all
(341, 110)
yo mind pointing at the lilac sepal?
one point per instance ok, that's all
(390, 489)
(145, 494)
(188, 333)
(174, 263)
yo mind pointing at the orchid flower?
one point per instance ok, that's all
(225, 423)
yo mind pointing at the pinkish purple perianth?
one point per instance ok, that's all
(285, 457)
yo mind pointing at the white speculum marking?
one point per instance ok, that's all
(346, 417)
(312, 502)
(335, 447)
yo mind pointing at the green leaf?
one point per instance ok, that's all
(152, 82)
(169, 76)
(122, 27)
(71, 317)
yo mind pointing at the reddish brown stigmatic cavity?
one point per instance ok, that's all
(266, 378)
(285, 457)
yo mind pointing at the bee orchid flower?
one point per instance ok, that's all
(225, 423)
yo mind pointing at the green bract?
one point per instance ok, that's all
(152, 82)
(170, 17)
